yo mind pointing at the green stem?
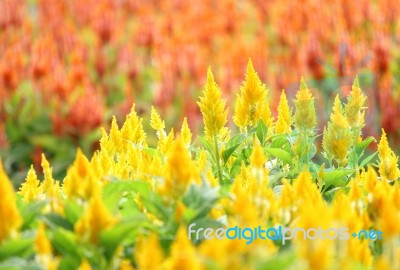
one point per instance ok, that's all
(217, 159)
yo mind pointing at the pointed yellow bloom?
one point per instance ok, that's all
(30, 188)
(85, 265)
(148, 253)
(388, 161)
(257, 158)
(213, 109)
(94, 220)
(337, 138)
(126, 265)
(305, 117)
(185, 132)
(354, 108)
(42, 243)
(10, 218)
(180, 169)
(155, 120)
(183, 254)
(81, 180)
(47, 185)
(283, 121)
(252, 103)
(132, 132)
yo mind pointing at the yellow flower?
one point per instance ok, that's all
(257, 158)
(186, 133)
(81, 180)
(30, 188)
(85, 265)
(337, 138)
(180, 170)
(304, 118)
(132, 132)
(126, 265)
(354, 108)
(42, 243)
(283, 121)
(252, 103)
(213, 109)
(148, 253)
(9, 215)
(155, 120)
(183, 253)
(388, 161)
(94, 220)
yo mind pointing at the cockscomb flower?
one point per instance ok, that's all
(183, 253)
(186, 133)
(354, 109)
(213, 109)
(388, 161)
(180, 168)
(148, 253)
(337, 138)
(132, 132)
(9, 215)
(283, 121)
(81, 181)
(30, 188)
(304, 117)
(252, 103)
(94, 220)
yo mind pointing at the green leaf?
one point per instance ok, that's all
(18, 264)
(69, 262)
(368, 159)
(261, 131)
(112, 238)
(29, 211)
(361, 146)
(63, 242)
(280, 154)
(279, 262)
(337, 178)
(232, 145)
(56, 221)
(18, 248)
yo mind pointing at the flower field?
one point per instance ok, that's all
(216, 135)
(129, 205)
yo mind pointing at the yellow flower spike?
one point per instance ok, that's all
(85, 265)
(180, 169)
(94, 220)
(115, 135)
(180, 209)
(126, 265)
(257, 158)
(183, 253)
(354, 108)
(388, 161)
(201, 160)
(47, 185)
(186, 133)
(81, 180)
(389, 218)
(252, 103)
(155, 120)
(213, 109)
(9, 215)
(132, 131)
(148, 252)
(358, 251)
(164, 145)
(283, 122)
(304, 117)
(305, 189)
(42, 243)
(30, 188)
(337, 138)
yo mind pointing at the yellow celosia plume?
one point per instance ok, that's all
(252, 103)
(283, 122)
(30, 188)
(213, 109)
(10, 218)
(388, 161)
